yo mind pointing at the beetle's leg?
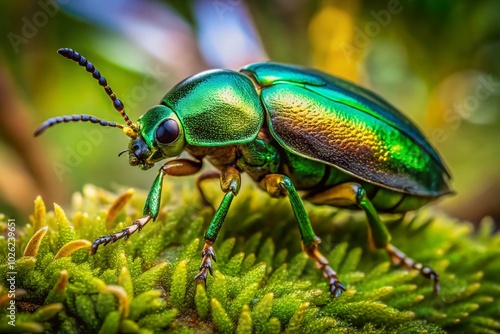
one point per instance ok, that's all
(180, 167)
(137, 225)
(351, 193)
(207, 175)
(230, 182)
(277, 184)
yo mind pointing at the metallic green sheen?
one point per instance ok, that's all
(386, 199)
(259, 158)
(219, 217)
(269, 73)
(217, 108)
(152, 205)
(305, 173)
(379, 233)
(348, 127)
(305, 228)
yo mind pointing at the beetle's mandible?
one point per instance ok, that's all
(291, 129)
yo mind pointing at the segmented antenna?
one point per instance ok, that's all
(89, 67)
(74, 118)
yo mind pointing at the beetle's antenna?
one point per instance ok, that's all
(74, 118)
(89, 67)
(124, 151)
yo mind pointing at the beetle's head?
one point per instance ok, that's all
(157, 135)
(160, 136)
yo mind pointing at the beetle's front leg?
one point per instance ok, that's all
(180, 167)
(230, 181)
(276, 184)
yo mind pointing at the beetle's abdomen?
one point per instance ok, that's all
(315, 177)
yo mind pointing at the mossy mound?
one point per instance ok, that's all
(262, 283)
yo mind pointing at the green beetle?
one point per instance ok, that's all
(291, 129)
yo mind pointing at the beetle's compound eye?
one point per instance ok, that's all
(167, 132)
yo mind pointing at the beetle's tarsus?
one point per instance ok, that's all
(136, 226)
(336, 288)
(401, 259)
(429, 273)
(208, 254)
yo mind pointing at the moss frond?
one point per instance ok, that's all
(262, 283)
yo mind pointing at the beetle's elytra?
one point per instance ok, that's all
(291, 129)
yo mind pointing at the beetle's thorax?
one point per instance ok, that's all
(219, 156)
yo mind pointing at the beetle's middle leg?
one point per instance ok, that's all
(230, 182)
(207, 175)
(351, 193)
(276, 185)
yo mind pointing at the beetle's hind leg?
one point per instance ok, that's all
(351, 193)
(207, 175)
(276, 185)
(230, 181)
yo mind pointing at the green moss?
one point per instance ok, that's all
(262, 283)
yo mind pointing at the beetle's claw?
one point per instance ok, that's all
(95, 245)
(101, 241)
(429, 273)
(201, 277)
(208, 254)
(336, 288)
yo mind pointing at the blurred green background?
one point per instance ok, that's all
(438, 61)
